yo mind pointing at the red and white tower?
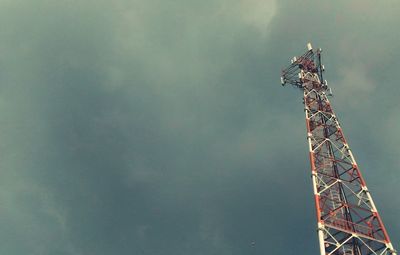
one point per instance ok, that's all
(348, 221)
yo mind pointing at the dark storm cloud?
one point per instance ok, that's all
(160, 127)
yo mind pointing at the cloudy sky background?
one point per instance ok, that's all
(160, 127)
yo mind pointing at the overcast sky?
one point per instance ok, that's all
(161, 128)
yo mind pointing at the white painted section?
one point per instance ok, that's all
(314, 181)
(371, 201)
(390, 246)
(321, 238)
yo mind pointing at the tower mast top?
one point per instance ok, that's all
(309, 62)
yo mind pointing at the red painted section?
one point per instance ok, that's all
(387, 239)
(359, 174)
(311, 154)
(318, 208)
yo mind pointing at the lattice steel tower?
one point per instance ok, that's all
(348, 221)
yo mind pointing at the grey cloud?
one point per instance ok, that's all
(161, 128)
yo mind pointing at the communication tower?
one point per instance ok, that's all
(348, 221)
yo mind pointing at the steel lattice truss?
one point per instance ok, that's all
(348, 222)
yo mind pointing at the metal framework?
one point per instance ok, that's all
(348, 221)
